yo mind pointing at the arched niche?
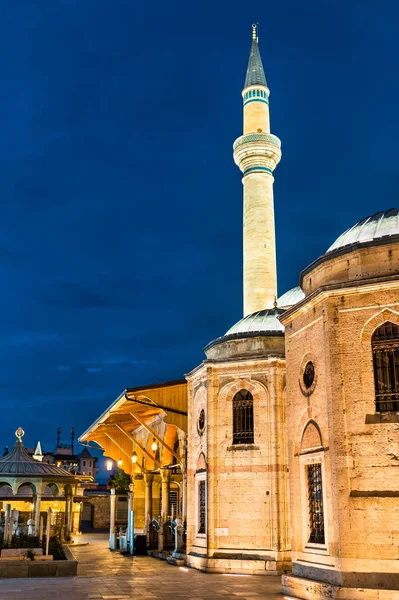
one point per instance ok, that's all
(201, 463)
(6, 489)
(311, 438)
(27, 488)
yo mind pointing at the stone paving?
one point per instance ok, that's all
(105, 575)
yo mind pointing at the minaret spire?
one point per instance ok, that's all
(257, 154)
(255, 72)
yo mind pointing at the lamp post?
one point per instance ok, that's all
(131, 516)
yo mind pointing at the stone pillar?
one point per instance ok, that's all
(7, 521)
(165, 479)
(37, 513)
(148, 479)
(183, 468)
(112, 516)
(66, 513)
(165, 486)
(70, 516)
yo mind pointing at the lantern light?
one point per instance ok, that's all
(120, 461)
(154, 445)
(134, 457)
(109, 465)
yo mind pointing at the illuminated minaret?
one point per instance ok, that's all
(257, 154)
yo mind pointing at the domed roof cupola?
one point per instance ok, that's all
(380, 225)
(365, 252)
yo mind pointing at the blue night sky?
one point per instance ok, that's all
(121, 207)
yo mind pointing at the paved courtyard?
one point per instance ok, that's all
(109, 576)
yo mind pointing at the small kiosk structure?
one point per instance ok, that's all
(31, 487)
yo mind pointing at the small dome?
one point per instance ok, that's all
(19, 462)
(291, 297)
(382, 224)
(262, 322)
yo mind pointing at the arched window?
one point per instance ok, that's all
(385, 346)
(243, 418)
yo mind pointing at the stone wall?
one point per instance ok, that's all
(359, 447)
(247, 495)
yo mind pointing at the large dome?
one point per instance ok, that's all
(262, 322)
(380, 225)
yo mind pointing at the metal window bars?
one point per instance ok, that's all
(385, 346)
(201, 507)
(243, 418)
(315, 500)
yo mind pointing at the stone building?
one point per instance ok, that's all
(342, 349)
(292, 426)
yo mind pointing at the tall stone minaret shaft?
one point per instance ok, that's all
(257, 154)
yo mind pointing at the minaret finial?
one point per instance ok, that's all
(254, 31)
(20, 434)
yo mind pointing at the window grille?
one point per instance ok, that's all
(315, 499)
(243, 418)
(385, 345)
(173, 501)
(201, 507)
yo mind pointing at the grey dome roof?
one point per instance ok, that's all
(262, 322)
(380, 225)
(291, 297)
(19, 462)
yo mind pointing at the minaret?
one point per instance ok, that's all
(257, 154)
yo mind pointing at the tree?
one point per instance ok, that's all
(121, 481)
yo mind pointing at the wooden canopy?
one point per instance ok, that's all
(138, 416)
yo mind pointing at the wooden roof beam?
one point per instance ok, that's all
(155, 435)
(138, 444)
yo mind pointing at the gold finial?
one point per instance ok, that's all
(254, 31)
(20, 433)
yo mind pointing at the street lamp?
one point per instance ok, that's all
(109, 465)
(120, 461)
(154, 445)
(134, 457)
(130, 523)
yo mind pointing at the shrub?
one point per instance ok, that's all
(30, 554)
(24, 541)
(54, 547)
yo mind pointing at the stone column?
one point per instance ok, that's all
(165, 486)
(184, 501)
(148, 479)
(66, 513)
(37, 513)
(112, 516)
(165, 479)
(70, 516)
(183, 468)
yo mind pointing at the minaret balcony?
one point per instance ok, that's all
(257, 137)
(257, 150)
